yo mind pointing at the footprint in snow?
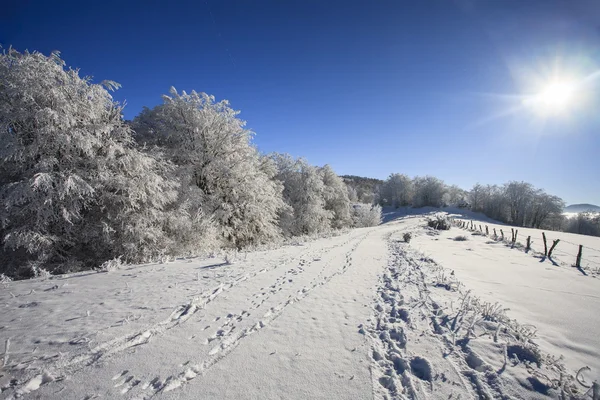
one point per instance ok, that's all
(120, 375)
(123, 380)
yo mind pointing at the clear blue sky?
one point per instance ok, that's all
(370, 87)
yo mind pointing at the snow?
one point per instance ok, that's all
(565, 253)
(319, 319)
(557, 300)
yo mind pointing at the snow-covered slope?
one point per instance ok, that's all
(358, 315)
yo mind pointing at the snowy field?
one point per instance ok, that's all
(565, 253)
(355, 316)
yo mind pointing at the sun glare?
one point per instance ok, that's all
(557, 96)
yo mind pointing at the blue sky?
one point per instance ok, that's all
(369, 87)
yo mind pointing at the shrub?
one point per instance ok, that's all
(111, 265)
(461, 238)
(407, 236)
(439, 222)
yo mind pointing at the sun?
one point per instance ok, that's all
(557, 96)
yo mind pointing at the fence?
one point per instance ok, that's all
(581, 256)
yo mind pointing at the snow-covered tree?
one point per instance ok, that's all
(476, 197)
(455, 196)
(585, 223)
(304, 192)
(336, 198)
(518, 203)
(397, 191)
(518, 196)
(429, 191)
(213, 152)
(75, 190)
(364, 215)
(352, 194)
(543, 207)
(366, 189)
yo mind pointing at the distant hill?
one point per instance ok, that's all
(577, 208)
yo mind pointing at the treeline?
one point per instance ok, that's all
(585, 223)
(81, 186)
(400, 190)
(515, 203)
(518, 203)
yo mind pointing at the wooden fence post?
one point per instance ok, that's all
(487, 231)
(552, 248)
(502, 233)
(480, 230)
(578, 262)
(528, 243)
(495, 234)
(512, 235)
(545, 245)
(515, 238)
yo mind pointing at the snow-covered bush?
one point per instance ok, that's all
(364, 215)
(440, 222)
(4, 279)
(461, 238)
(72, 184)
(304, 193)
(214, 153)
(111, 265)
(407, 236)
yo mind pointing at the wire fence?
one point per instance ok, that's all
(577, 255)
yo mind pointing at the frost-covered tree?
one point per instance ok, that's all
(495, 204)
(352, 194)
(367, 189)
(455, 196)
(476, 197)
(518, 196)
(518, 203)
(542, 208)
(336, 198)
(304, 192)
(75, 191)
(397, 190)
(585, 223)
(429, 191)
(214, 153)
(364, 215)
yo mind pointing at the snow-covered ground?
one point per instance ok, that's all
(359, 315)
(565, 253)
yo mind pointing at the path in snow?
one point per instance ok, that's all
(308, 321)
